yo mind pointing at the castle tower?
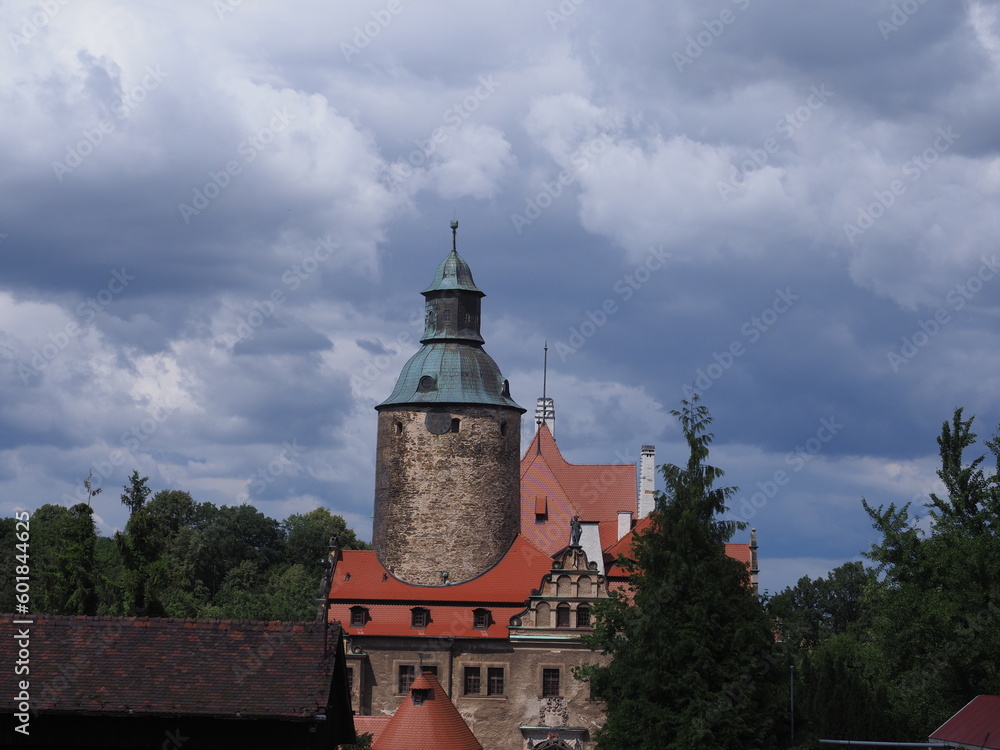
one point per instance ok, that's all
(447, 465)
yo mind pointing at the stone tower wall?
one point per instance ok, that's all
(446, 502)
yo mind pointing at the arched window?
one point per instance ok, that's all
(583, 616)
(584, 587)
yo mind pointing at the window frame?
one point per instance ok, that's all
(420, 618)
(545, 683)
(466, 674)
(563, 618)
(482, 618)
(359, 616)
(502, 692)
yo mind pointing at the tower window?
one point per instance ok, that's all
(398, 428)
(503, 428)
(468, 318)
(447, 316)
(455, 424)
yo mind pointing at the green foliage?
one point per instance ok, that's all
(814, 610)
(693, 661)
(177, 558)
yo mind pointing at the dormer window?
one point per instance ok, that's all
(419, 617)
(481, 619)
(359, 616)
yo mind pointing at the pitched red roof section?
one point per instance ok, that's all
(595, 492)
(977, 725)
(372, 725)
(433, 723)
(361, 580)
(174, 667)
(736, 550)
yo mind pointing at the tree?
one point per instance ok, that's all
(935, 608)
(63, 560)
(307, 536)
(693, 660)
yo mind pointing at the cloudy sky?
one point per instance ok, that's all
(217, 218)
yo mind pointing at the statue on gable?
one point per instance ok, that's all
(575, 531)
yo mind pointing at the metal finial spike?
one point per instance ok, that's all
(454, 235)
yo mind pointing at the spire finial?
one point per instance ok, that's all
(545, 368)
(454, 235)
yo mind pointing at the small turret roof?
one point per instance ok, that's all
(453, 274)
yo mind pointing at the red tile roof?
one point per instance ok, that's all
(173, 667)
(736, 550)
(595, 492)
(372, 725)
(433, 724)
(361, 580)
(976, 725)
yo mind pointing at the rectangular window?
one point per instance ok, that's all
(562, 616)
(550, 683)
(350, 680)
(420, 618)
(481, 619)
(472, 680)
(358, 617)
(494, 681)
(583, 616)
(407, 673)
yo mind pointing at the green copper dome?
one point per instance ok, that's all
(451, 373)
(451, 367)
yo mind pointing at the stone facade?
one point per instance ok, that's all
(538, 701)
(447, 501)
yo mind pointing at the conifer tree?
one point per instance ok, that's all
(693, 659)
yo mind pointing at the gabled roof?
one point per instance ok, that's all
(977, 725)
(174, 667)
(736, 550)
(433, 723)
(595, 492)
(360, 580)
